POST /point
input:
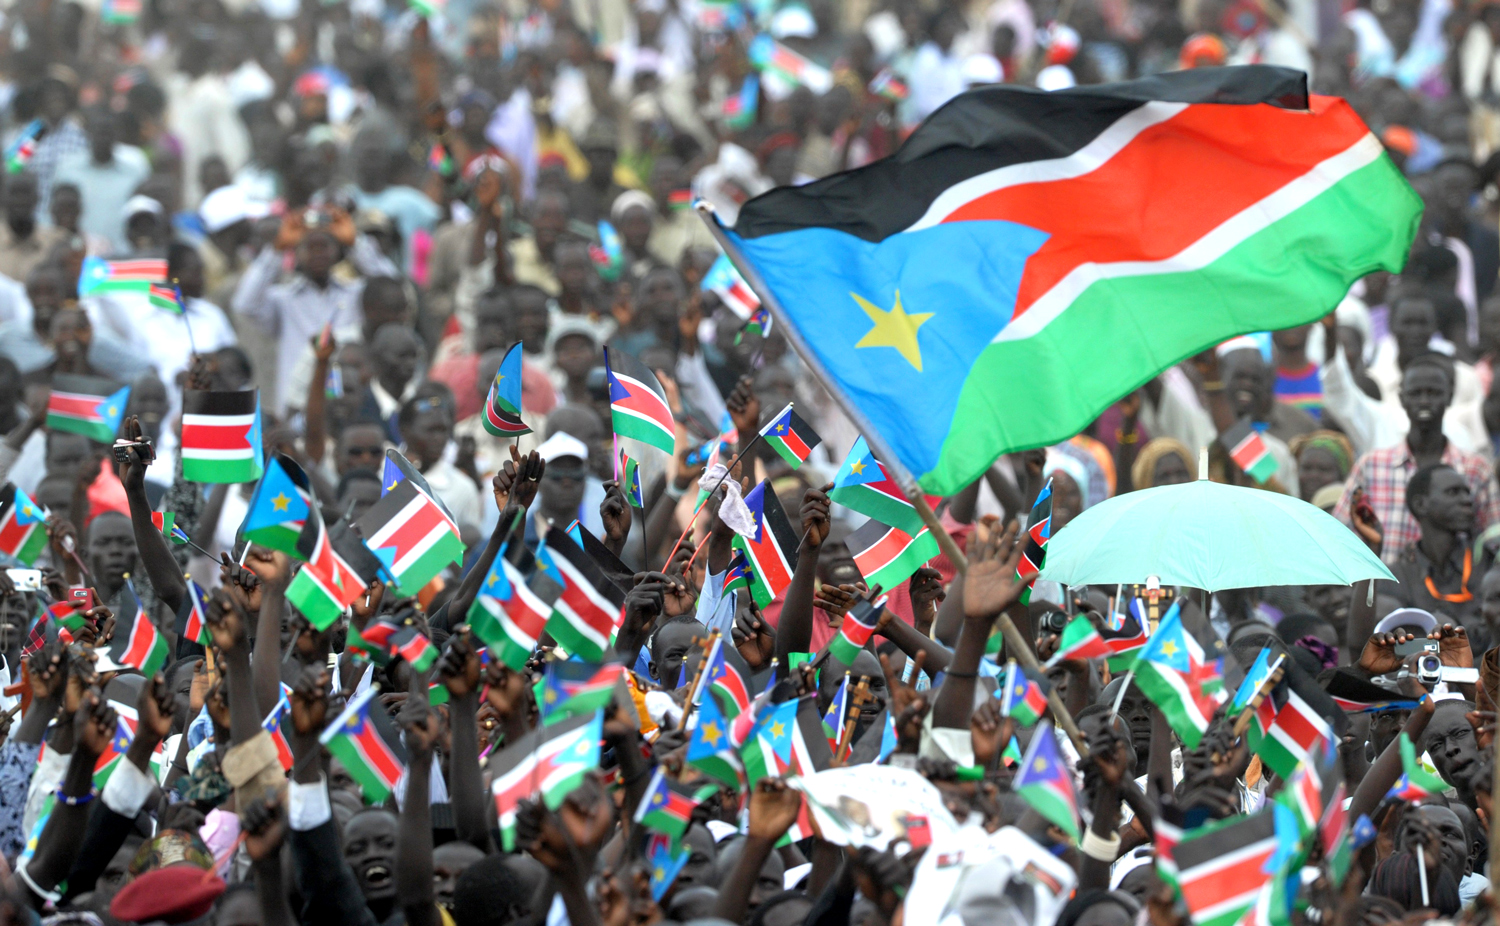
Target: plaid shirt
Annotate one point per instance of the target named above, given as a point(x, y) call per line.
point(1383, 475)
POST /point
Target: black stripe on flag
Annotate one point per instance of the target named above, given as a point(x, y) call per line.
point(1223, 839)
point(778, 526)
point(415, 478)
point(559, 543)
point(352, 549)
point(990, 128)
point(610, 564)
point(89, 385)
point(227, 404)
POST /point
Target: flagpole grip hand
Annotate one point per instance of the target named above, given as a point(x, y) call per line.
point(615, 512)
point(154, 710)
point(815, 517)
point(744, 407)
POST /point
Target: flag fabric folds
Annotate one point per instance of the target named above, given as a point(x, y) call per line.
point(1023, 696)
point(887, 556)
point(221, 436)
point(637, 402)
point(1172, 671)
point(88, 405)
point(1044, 781)
point(588, 607)
point(368, 744)
point(502, 406)
point(510, 612)
point(1081, 225)
point(23, 525)
point(863, 484)
point(279, 506)
point(772, 550)
point(412, 536)
point(551, 762)
point(137, 643)
point(791, 437)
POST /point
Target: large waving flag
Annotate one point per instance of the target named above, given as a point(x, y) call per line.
point(87, 405)
point(280, 506)
point(949, 289)
point(637, 402)
point(221, 436)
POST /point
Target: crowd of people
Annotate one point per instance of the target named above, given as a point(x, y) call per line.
point(363, 206)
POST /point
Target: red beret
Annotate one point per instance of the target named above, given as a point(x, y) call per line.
point(174, 894)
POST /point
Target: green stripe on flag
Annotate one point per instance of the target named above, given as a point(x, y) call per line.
point(1292, 272)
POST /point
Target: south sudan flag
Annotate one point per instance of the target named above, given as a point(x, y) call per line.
point(791, 437)
point(948, 290)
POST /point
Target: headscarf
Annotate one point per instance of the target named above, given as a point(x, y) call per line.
point(1072, 467)
point(1336, 444)
point(1143, 471)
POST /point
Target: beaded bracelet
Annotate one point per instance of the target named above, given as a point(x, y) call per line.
point(78, 801)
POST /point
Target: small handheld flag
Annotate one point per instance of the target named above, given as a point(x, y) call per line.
point(1044, 782)
point(791, 437)
point(365, 740)
point(23, 525)
point(502, 407)
point(87, 405)
point(221, 436)
point(630, 481)
point(637, 402)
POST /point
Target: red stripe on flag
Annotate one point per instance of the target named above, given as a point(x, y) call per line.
point(378, 753)
point(1303, 730)
point(415, 529)
point(1225, 883)
point(142, 639)
point(74, 406)
point(884, 550)
point(795, 444)
point(641, 399)
point(216, 437)
point(1175, 181)
point(13, 533)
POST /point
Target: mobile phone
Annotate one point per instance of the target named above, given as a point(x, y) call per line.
point(143, 447)
point(81, 596)
point(25, 580)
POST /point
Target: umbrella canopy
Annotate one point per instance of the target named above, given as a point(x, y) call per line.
point(1210, 536)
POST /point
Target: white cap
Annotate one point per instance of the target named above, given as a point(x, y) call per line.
point(138, 204)
point(1404, 617)
point(228, 205)
point(563, 444)
point(981, 69)
point(1055, 77)
point(793, 22)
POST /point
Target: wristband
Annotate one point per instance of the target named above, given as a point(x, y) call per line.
point(673, 492)
point(1122, 438)
point(1213, 385)
point(1097, 847)
point(78, 801)
point(951, 674)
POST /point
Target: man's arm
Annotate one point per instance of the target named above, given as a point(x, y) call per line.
point(414, 832)
point(794, 629)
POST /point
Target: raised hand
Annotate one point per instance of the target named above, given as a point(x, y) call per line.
point(678, 596)
point(815, 522)
point(520, 477)
point(837, 599)
point(243, 583)
point(1364, 521)
point(94, 723)
point(615, 512)
point(991, 586)
point(773, 809)
point(926, 591)
point(264, 823)
point(48, 671)
point(1379, 655)
point(459, 667)
point(901, 694)
point(366, 606)
point(309, 701)
point(423, 728)
point(744, 407)
point(154, 709)
point(754, 638)
point(134, 474)
point(508, 691)
point(988, 731)
point(227, 622)
point(1453, 646)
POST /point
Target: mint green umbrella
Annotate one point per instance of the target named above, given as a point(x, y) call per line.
point(1210, 536)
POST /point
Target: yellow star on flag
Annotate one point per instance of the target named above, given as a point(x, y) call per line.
point(712, 734)
point(1040, 765)
point(1169, 648)
point(280, 501)
point(894, 328)
point(778, 729)
point(857, 468)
